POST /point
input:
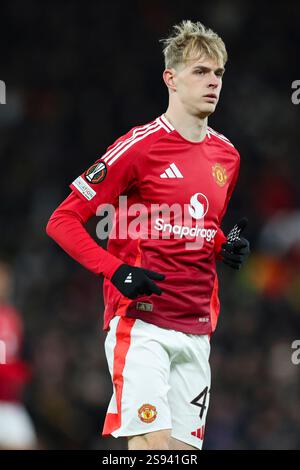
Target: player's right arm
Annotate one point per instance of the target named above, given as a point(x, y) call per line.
point(114, 174)
point(66, 227)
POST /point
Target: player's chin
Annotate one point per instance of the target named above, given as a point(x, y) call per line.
point(207, 109)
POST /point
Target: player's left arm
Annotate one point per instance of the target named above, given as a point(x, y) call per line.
point(235, 252)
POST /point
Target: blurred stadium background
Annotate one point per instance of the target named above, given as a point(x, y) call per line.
point(78, 75)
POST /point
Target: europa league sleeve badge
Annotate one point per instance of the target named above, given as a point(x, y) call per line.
point(96, 173)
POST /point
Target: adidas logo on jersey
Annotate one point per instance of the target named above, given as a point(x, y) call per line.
point(172, 172)
point(128, 278)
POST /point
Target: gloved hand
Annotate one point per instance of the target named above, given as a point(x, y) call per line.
point(236, 249)
point(132, 281)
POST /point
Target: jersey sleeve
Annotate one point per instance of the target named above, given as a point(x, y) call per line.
point(115, 173)
point(220, 237)
point(102, 183)
point(66, 227)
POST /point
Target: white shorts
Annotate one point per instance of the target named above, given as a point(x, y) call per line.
point(16, 428)
point(161, 380)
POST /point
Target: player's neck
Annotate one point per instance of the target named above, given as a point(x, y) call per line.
point(192, 128)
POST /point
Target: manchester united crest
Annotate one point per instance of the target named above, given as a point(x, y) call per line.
point(147, 413)
point(219, 174)
point(96, 173)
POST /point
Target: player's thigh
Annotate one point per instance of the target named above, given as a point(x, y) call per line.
point(190, 381)
point(139, 367)
point(158, 440)
point(175, 444)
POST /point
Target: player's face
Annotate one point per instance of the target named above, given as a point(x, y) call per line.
point(198, 85)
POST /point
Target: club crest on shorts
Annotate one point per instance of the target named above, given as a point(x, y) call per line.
point(96, 173)
point(219, 174)
point(147, 413)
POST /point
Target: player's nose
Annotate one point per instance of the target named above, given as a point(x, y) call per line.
point(213, 80)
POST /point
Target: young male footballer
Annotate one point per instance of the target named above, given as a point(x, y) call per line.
point(161, 286)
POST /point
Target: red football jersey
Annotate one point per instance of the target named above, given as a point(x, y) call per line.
point(158, 169)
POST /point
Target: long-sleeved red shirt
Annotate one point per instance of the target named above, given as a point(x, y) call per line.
point(154, 165)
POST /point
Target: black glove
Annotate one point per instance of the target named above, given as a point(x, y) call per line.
point(236, 250)
point(132, 281)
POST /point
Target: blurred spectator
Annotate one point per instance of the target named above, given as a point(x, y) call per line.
point(16, 428)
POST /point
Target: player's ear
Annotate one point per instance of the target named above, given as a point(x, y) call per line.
point(169, 79)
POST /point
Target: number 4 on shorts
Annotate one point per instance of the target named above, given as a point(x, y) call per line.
point(200, 401)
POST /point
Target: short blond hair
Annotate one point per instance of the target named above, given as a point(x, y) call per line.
point(190, 41)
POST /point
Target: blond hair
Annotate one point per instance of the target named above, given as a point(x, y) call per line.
point(190, 41)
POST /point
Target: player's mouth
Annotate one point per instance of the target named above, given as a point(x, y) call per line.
point(211, 97)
